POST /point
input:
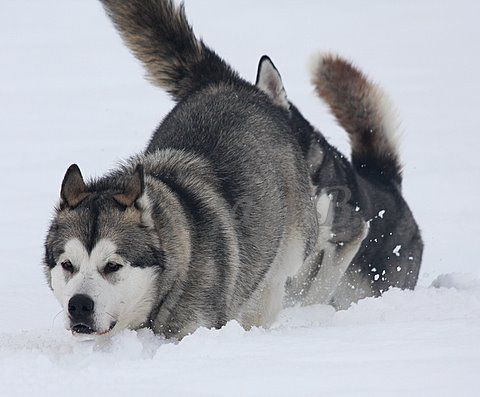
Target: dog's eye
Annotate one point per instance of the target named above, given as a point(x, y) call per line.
point(67, 266)
point(111, 268)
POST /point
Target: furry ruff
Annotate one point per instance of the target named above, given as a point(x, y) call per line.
point(159, 35)
point(365, 112)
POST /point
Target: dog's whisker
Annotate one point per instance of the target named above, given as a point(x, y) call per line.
point(55, 317)
point(111, 315)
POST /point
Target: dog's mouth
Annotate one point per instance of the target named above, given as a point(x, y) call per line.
point(84, 329)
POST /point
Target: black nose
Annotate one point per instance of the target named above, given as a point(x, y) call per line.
point(80, 307)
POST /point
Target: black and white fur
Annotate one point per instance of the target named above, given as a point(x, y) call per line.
point(356, 199)
point(204, 226)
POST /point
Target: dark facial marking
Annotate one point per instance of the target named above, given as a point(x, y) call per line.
point(49, 258)
point(94, 210)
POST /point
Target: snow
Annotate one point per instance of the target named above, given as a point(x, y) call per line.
point(397, 249)
point(71, 92)
point(407, 343)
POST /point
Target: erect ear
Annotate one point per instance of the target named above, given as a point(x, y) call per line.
point(270, 82)
point(73, 190)
point(133, 188)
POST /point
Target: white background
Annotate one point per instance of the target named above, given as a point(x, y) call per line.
point(71, 92)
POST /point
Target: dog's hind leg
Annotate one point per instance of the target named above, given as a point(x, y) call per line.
point(336, 258)
point(267, 300)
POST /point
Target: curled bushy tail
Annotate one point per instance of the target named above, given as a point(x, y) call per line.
point(364, 111)
point(158, 33)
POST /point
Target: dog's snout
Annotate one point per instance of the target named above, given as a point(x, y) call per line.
point(80, 307)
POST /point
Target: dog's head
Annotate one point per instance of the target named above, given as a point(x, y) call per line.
point(102, 254)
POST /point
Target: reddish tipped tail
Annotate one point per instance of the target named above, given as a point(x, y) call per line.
point(365, 112)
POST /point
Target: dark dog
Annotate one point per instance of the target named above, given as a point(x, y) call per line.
point(355, 199)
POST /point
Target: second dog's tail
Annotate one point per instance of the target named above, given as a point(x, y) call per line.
point(364, 111)
point(158, 33)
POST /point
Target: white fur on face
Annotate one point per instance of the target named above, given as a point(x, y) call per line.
point(125, 297)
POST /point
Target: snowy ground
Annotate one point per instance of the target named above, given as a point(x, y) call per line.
point(70, 92)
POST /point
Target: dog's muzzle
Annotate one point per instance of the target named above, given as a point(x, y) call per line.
point(80, 310)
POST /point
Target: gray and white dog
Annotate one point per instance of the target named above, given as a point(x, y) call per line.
point(218, 218)
point(356, 199)
point(204, 226)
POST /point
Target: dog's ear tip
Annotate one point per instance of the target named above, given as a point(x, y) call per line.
point(265, 58)
point(73, 169)
point(74, 166)
point(266, 65)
